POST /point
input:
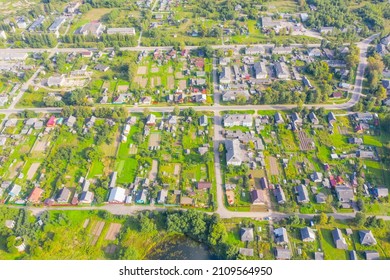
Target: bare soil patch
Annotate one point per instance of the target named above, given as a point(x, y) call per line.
point(182, 84)
point(142, 70)
point(170, 82)
point(154, 140)
point(32, 170)
point(273, 166)
point(113, 231)
point(97, 231)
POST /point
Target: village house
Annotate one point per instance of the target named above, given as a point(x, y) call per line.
point(71, 121)
point(203, 185)
point(281, 70)
point(225, 75)
point(279, 195)
point(302, 194)
point(162, 196)
point(86, 197)
point(117, 195)
point(94, 28)
point(307, 235)
point(232, 95)
point(339, 240)
point(281, 237)
point(367, 238)
point(371, 255)
point(381, 192)
point(151, 120)
point(64, 195)
point(255, 50)
point(56, 81)
point(260, 70)
point(257, 197)
point(313, 118)
point(142, 196)
point(282, 50)
point(35, 195)
point(121, 30)
point(282, 253)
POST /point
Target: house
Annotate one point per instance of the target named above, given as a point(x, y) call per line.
point(260, 70)
point(186, 201)
point(15, 191)
point(381, 192)
point(56, 81)
point(281, 237)
point(316, 177)
point(246, 234)
point(303, 196)
point(246, 252)
point(172, 120)
point(307, 234)
point(233, 152)
point(11, 123)
point(257, 197)
point(146, 100)
point(255, 50)
point(71, 121)
point(339, 240)
point(326, 30)
point(203, 120)
point(321, 198)
point(162, 196)
point(366, 117)
point(344, 193)
point(56, 25)
point(224, 61)
point(279, 195)
point(86, 197)
point(331, 118)
point(355, 140)
point(282, 253)
point(282, 50)
point(117, 194)
point(316, 52)
point(101, 67)
point(141, 197)
point(281, 70)
point(278, 118)
point(232, 95)
point(237, 120)
point(151, 120)
point(51, 122)
point(225, 75)
point(313, 118)
point(304, 17)
point(64, 195)
point(230, 197)
point(365, 154)
point(94, 28)
point(37, 24)
point(371, 255)
point(353, 255)
point(35, 195)
point(123, 31)
point(22, 23)
point(295, 118)
point(367, 238)
point(306, 82)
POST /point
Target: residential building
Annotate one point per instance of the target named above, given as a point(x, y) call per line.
point(225, 75)
point(233, 152)
point(255, 50)
point(101, 67)
point(381, 192)
point(279, 195)
point(13, 56)
point(86, 197)
point(94, 28)
point(282, 50)
point(313, 118)
point(37, 24)
point(302, 194)
point(281, 237)
point(203, 120)
point(15, 191)
point(162, 196)
point(246, 234)
point(282, 253)
point(203, 185)
point(317, 177)
point(371, 255)
point(257, 197)
point(56, 81)
point(307, 234)
point(339, 240)
point(71, 121)
point(64, 195)
point(367, 238)
point(56, 25)
point(142, 196)
point(117, 195)
point(281, 70)
point(35, 195)
point(232, 95)
point(238, 120)
point(278, 118)
point(260, 70)
point(151, 120)
point(344, 193)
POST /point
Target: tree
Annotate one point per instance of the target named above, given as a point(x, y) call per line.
point(146, 224)
point(323, 219)
point(331, 220)
point(221, 148)
point(381, 93)
point(146, 112)
point(217, 233)
point(176, 110)
point(360, 219)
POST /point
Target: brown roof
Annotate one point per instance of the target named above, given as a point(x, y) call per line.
point(257, 197)
point(35, 195)
point(203, 185)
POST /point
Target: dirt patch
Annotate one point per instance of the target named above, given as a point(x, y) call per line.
point(32, 170)
point(273, 166)
point(343, 130)
point(157, 81)
point(305, 143)
point(40, 146)
point(133, 150)
point(170, 69)
point(113, 231)
point(86, 223)
point(122, 88)
point(182, 84)
point(170, 82)
point(153, 171)
point(179, 75)
point(142, 70)
point(141, 81)
point(14, 169)
point(154, 140)
point(97, 231)
point(154, 70)
point(166, 157)
point(177, 170)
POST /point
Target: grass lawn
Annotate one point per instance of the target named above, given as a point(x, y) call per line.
point(126, 170)
point(331, 253)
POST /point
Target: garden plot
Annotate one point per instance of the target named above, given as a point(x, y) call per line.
point(142, 70)
point(41, 145)
point(122, 88)
point(179, 75)
point(113, 231)
point(182, 84)
point(157, 81)
point(170, 82)
point(154, 70)
point(97, 231)
point(14, 169)
point(154, 140)
point(153, 171)
point(176, 172)
point(273, 166)
point(305, 143)
point(32, 170)
point(133, 149)
point(141, 81)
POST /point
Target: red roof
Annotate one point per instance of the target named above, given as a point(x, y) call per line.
point(203, 185)
point(51, 122)
point(35, 195)
point(333, 182)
